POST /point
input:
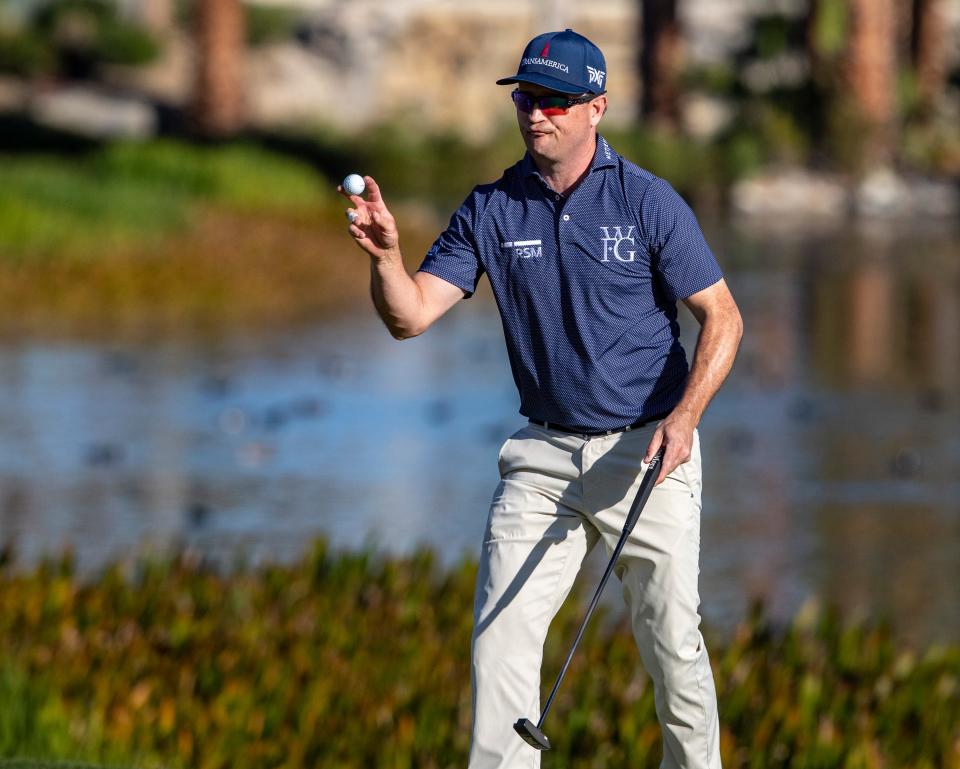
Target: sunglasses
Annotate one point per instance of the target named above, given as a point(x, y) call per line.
point(551, 104)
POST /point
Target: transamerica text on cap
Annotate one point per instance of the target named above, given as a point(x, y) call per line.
point(545, 63)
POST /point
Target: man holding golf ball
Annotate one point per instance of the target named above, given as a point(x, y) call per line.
point(587, 255)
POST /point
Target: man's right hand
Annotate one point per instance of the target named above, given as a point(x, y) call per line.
point(407, 305)
point(374, 228)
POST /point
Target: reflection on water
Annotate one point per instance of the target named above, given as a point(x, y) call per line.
point(832, 455)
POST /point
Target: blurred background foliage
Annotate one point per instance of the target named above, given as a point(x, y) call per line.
point(359, 660)
point(124, 193)
point(74, 39)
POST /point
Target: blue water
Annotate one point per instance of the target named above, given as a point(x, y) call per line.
point(831, 455)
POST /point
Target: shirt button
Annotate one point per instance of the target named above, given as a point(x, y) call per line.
point(556, 197)
point(566, 217)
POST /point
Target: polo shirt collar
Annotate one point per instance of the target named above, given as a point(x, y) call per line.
point(603, 157)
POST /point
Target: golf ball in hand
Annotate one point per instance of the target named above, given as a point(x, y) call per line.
point(354, 184)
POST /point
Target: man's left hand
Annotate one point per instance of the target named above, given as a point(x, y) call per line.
point(676, 434)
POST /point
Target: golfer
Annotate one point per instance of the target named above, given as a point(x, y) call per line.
point(587, 255)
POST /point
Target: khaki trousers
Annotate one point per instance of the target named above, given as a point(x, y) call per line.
point(558, 495)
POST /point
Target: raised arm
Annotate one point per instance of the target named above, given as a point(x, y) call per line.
point(407, 305)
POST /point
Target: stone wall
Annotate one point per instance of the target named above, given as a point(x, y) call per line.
point(434, 61)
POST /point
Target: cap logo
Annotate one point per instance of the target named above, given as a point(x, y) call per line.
point(546, 51)
point(596, 76)
point(545, 63)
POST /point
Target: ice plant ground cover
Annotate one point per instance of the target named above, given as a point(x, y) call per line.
point(354, 659)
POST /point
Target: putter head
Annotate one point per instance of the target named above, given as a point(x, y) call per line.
point(531, 734)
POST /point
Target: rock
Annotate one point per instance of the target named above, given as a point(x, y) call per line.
point(705, 116)
point(796, 194)
point(885, 193)
point(791, 193)
point(88, 111)
point(286, 83)
point(103, 454)
point(881, 193)
point(788, 70)
point(931, 197)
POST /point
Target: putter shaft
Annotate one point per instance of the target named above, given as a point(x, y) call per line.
point(533, 735)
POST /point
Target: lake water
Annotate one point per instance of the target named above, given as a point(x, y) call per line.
point(831, 455)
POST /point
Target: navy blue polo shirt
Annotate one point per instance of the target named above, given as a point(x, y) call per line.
point(586, 285)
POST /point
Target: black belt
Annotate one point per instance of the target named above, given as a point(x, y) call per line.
point(576, 431)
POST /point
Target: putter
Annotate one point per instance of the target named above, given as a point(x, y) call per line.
point(532, 733)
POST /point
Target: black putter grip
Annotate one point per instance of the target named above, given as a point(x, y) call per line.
point(646, 486)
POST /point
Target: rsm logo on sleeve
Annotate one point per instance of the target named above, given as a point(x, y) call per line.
point(524, 249)
point(613, 238)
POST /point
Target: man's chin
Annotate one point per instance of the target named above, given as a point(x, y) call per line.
point(540, 146)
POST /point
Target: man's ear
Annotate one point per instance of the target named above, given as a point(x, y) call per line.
point(598, 107)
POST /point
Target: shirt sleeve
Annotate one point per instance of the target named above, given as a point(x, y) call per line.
point(454, 256)
point(679, 253)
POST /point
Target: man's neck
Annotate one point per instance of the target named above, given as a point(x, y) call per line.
point(563, 175)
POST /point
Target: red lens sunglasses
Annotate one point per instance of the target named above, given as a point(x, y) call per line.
point(551, 104)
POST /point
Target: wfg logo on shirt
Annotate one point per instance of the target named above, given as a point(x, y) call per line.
point(613, 238)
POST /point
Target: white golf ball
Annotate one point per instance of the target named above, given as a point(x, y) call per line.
point(354, 184)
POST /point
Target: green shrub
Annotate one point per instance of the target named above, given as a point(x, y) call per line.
point(772, 34)
point(270, 24)
point(25, 54)
point(237, 174)
point(742, 155)
point(783, 138)
point(78, 36)
point(829, 34)
point(932, 146)
point(359, 660)
point(43, 763)
point(47, 207)
point(126, 44)
point(131, 191)
point(717, 79)
point(72, 20)
point(848, 135)
point(32, 720)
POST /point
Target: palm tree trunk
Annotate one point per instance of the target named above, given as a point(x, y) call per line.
point(871, 72)
point(928, 50)
point(218, 108)
point(660, 61)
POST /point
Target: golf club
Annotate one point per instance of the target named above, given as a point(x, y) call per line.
point(532, 733)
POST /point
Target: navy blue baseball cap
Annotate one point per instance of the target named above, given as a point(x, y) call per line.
point(562, 61)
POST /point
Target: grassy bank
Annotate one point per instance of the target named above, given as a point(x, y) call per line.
point(54, 207)
point(353, 660)
point(39, 763)
point(166, 236)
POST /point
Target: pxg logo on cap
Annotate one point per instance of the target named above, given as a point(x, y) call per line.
point(561, 61)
